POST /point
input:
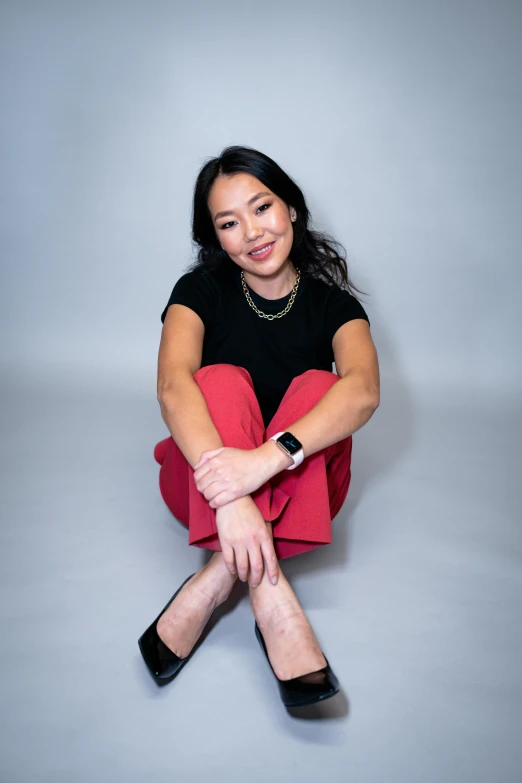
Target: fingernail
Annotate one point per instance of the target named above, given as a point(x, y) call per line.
point(274, 580)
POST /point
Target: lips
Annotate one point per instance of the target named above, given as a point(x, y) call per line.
point(266, 245)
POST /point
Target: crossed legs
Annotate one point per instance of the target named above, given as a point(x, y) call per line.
point(292, 646)
point(291, 643)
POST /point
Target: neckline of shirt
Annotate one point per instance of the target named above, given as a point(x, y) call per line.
point(267, 304)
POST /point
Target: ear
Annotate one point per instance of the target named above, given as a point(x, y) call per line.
point(293, 214)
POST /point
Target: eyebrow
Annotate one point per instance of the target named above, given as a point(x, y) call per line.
point(250, 201)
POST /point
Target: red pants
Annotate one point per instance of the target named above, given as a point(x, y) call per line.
point(300, 503)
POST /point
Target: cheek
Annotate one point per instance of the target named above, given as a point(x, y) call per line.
point(232, 243)
point(277, 222)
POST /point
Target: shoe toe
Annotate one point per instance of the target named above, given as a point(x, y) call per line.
point(306, 689)
point(309, 688)
point(162, 663)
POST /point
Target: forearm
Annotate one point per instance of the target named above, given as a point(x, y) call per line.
point(345, 408)
point(185, 412)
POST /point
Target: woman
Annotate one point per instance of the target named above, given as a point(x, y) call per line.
point(258, 464)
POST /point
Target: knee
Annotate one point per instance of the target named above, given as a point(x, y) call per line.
point(326, 376)
point(307, 389)
point(229, 375)
point(315, 379)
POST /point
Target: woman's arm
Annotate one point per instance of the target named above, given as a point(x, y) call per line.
point(185, 412)
point(183, 406)
point(242, 531)
point(346, 406)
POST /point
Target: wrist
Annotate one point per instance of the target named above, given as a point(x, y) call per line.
point(274, 457)
point(243, 500)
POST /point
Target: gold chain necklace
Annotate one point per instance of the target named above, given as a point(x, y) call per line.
point(271, 316)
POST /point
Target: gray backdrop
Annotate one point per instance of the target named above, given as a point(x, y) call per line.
point(401, 122)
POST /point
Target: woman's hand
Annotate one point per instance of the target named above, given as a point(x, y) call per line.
point(225, 474)
point(245, 538)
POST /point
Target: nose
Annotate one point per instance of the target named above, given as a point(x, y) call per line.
point(252, 229)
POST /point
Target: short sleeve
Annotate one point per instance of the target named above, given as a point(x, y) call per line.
point(341, 307)
point(196, 291)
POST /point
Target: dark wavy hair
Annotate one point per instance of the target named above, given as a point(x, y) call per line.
point(315, 252)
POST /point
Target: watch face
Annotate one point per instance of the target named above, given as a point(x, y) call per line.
point(290, 443)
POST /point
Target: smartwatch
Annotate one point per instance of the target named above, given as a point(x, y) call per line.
point(291, 446)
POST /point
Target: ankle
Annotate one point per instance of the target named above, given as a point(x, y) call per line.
point(266, 597)
point(226, 580)
point(280, 612)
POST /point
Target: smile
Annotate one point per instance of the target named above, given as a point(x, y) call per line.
point(264, 252)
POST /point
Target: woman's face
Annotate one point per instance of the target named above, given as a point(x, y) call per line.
point(251, 216)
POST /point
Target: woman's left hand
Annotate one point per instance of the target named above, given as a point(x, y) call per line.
point(227, 473)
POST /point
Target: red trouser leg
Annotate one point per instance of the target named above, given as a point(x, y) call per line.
point(301, 503)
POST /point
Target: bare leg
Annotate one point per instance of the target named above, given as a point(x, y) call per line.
point(292, 646)
point(181, 625)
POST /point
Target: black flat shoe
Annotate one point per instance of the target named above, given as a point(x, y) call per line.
point(300, 691)
point(163, 664)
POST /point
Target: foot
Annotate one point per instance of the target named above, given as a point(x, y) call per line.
point(182, 623)
point(292, 646)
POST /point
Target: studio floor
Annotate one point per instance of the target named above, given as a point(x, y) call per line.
point(416, 604)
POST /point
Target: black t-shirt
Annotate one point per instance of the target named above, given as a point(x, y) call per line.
point(273, 351)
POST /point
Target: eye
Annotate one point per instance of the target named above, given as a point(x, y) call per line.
point(225, 225)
